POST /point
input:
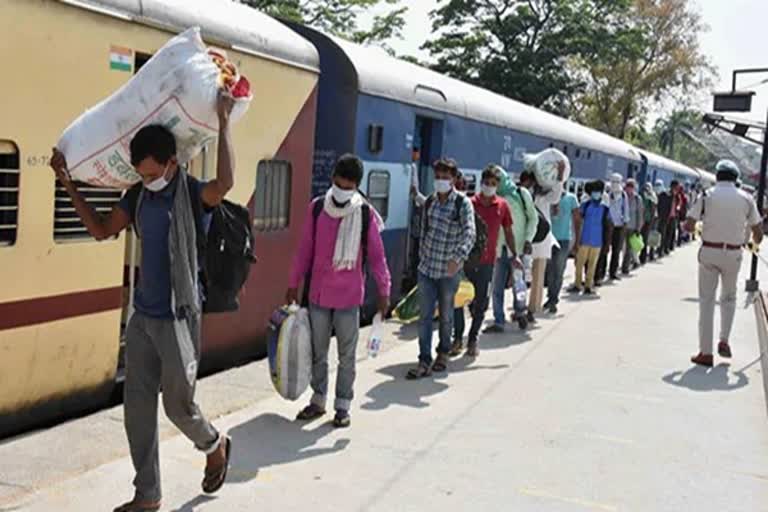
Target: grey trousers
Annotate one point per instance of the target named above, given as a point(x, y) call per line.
point(161, 352)
point(346, 323)
point(724, 265)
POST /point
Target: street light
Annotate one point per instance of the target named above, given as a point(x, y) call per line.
point(741, 101)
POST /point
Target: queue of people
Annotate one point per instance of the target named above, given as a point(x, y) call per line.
point(527, 227)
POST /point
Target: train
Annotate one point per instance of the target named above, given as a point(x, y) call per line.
point(65, 299)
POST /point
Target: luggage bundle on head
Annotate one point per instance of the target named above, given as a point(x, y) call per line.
point(289, 350)
point(176, 88)
point(546, 167)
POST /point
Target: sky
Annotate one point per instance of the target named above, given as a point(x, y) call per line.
point(733, 41)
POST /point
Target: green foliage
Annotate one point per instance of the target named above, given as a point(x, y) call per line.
point(524, 49)
point(338, 17)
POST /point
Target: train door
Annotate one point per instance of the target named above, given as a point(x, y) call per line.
point(642, 175)
point(427, 147)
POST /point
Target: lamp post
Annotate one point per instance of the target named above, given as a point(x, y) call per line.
point(741, 101)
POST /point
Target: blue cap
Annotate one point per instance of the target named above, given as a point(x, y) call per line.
point(728, 167)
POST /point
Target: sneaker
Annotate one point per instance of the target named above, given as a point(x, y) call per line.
point(456, 348)
point(724, 349)
point(552, 309)
point(706, 360)
point(494, 329)
point(472, 350)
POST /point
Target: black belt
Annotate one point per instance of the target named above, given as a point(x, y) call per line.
point(721, 245)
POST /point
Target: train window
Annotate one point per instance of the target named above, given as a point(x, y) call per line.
point(67, 226)
point(375, 138)
point(378, 192)
point(9, 192)
point(272, 203)
point(578, 153)
point(471, 182)
point(139, 59)
point(565, 150)
point(589, 155)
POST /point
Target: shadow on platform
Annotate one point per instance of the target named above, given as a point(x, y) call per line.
point(272, 440)
point(192, 504)
point(412, 393)
point(699, 378)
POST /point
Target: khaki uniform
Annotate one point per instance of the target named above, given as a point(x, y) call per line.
point(726, 212)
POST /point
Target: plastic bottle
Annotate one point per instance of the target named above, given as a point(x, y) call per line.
point(528, 267)
point(519, 287)
point(374, 342)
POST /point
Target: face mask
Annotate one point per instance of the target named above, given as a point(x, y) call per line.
point(160, 183)
point(616, 186)
point(597, 196)
point(488, 191)
point(443, 186)
point(342, 196)
point(658, 189)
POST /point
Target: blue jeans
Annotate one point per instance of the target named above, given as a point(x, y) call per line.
point(501, 273)
point(555, 270)
point(440, 292)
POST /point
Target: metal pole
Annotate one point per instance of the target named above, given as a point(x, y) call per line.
point(753, 285)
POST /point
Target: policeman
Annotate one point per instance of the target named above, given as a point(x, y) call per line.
point(726, 213)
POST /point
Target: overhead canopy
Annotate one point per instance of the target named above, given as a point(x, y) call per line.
point(223, 22)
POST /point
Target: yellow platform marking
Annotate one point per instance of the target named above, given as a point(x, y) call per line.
point(575, 501)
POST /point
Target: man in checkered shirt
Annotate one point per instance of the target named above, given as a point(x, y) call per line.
point(447, 237)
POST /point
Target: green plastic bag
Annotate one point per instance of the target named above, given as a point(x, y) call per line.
point(408, 310)
point(636, 243)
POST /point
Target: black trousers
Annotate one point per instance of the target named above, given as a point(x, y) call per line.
point(614, 247)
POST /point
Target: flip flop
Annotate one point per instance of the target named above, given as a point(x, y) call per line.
point(214, 480)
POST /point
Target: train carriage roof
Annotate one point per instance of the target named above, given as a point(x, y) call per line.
point(380, 74)
point(665, 163)
point(243, 28)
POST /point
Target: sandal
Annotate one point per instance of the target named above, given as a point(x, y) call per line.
point(310, 412)
point(139, 506)
point(472, 350)
point(419, 372)
point(456, 349)
point(342, 419)
point(440, 364)
point(214, 479)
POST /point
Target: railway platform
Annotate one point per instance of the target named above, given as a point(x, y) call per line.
point(595, 409)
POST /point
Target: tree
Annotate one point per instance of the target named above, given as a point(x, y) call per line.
point(659, 59)
point(523, 49)
point(339, 17)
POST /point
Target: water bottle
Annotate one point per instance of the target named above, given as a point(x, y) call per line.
point(528, 267)
point(374, 342)
point(520, 289)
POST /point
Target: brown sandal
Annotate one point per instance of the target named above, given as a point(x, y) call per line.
point(139, 506)
point(214, 479)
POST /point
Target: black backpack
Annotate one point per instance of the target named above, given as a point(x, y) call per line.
point(225, 253)
point(542, 227)
point(481, 230)
point(228, 254)
point(317, 209)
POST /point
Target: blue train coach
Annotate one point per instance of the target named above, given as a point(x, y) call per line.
point(400, 117)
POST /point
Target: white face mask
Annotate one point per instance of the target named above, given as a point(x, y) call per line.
point(616, 186)
point(488, 191)
point(342, 196)
point(160, 183)
point(443, 186)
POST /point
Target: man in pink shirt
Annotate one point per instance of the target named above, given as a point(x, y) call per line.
point(342, 234)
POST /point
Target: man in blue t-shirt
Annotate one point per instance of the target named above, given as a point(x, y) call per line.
point(564, 220)
point(595, 228)
point(163, 334)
